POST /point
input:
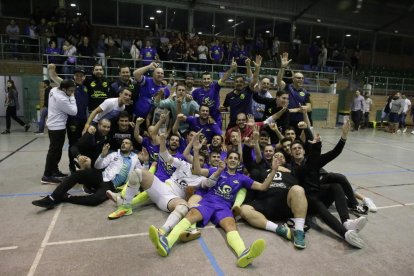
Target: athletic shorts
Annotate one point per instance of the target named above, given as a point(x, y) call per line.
point(394, 117)
point(211, 211)
point(273, 207)
point(161, 194)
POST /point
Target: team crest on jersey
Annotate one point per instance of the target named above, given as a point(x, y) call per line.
point(224, 191)
point(302, 94)
point(93, 84)
point(209, 102)
point(104, 84)
point(242, 96)
point(85, 89)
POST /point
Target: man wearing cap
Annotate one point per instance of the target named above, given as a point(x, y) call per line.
point(75, 124)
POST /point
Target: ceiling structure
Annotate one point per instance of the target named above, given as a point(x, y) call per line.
point(393, 17)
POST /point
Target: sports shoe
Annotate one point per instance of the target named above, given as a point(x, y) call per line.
point(352, 237)
point(371, 206)
point(399, 131)
point(249, 254)
point(50, 180)
point(412, 132)
point(123, 210)
point(38, 132)
point(59, 174)
point(26, 127)
point(115, 197)
point(8, 132)
point(360, 210)
point(299, 239)
point(190, 234)
point(284, 231)
point(355, 224)
point(159, 241)
point(404, 130)
point(47, 202)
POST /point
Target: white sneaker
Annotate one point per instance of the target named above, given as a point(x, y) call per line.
point(412, 132)
point(399, 131)
point(355, 224)
point(352, 237)
point(371, 206)
point(404, 130)
point(115, 197)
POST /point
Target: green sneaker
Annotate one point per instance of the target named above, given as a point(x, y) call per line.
point(299, 239)
point(284, 231)
point(248, 255)
point(123, 210)
point(159, 241)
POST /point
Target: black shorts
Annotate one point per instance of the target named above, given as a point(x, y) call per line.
point(274, 206)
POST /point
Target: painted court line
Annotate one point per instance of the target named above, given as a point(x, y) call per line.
point(13, 152)
point(8, 248)
point(44, 242)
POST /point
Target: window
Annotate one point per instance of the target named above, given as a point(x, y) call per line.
point(129, 14)
point(203, 22)
point(263, 25)
point(225, 24)
point(177, 19)
point(282, 31)
point(83, 7)
point(304, 32)
point(244, 23)
point(9, 8)
point(104, 12)
point(154, 15)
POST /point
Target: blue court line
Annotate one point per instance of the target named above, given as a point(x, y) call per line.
point(210, 257)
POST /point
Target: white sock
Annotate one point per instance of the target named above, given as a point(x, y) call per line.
point(299, 223)
point(172, 220)
point(130, 193)
point(271, 226)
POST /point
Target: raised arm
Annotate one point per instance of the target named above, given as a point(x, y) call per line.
point(197, 144)
point(138, 136)
point(249, 73)
point(138, 73)
point(53, 75)
point(90, 118)
point(257, 65)
point(164, 154)
point(187, 151)
point(284, 62)
point(229, 72)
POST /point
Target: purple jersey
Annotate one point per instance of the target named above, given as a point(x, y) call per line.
point(210, 98)
point(147, 90)
point(227, 186)
point(216, 52)
point(165, 170)
point(152, 149)
point(148, 55)
point(239, 103)
point(209, 130)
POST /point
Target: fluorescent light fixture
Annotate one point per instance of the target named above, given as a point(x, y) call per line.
point(318, 36)
point(152, 18)
point(230, 20)
point(395, 31)
point(146, 26)
point(318, 20)
point(72, 4)
point(213, 26)
point(78, 13)
point(348, 35)
point(268, 32)
point(200, 32)
point(159, 11)
point(222, 7)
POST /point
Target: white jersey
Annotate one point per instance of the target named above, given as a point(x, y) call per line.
point(183, 178)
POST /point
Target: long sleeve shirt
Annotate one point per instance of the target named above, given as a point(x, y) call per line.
point(60, 106)
point(358, 103)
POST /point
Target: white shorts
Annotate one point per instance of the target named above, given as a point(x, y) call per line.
point(161, 194)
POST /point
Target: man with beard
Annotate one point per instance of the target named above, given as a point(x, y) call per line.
point(201, 123)
point(209, 93)
point(123, 130)
point(98, 87)
point(111, 170)
point(124, 81)
point(240, 99)
point(259, 108)
point(189, 82)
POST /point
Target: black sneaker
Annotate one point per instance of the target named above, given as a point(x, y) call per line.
point(50, 180)
point(6, 132)
point(360, 210)
point(59, 174)
point(26, 127)
point(46, 202)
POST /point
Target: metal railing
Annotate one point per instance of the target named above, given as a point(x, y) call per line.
point(20, 47)
point(382, 85)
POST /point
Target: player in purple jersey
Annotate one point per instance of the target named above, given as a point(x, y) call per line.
point(148, 88)
point(215, 206)
point(209, 93)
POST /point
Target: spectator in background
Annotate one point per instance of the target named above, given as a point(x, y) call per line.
point(216, 53)
point(275, 50)
point(54, 52)
point(100, 49)
point(113, 55)
point(31, 32)
point(202, 51)
point(356, 55)
point(85, 49)
point(60, 30)
point(12, 105)
point(407, 107)
point(357, 109)
point(135, 50)
point(296, 47)
point(13, 32)
point(69, 51)
point(148, 54)
point(44, 33)
point(43, 110)
point(367, 110)
point(313, 52)
point(323, 56)
point(386, 110)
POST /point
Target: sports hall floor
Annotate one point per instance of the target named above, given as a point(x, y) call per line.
point(78, 240)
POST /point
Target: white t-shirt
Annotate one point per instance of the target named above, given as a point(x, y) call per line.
point(368, 104)
point(110, 109)
point(202, 52)
point(183, 177)
point(407, 104)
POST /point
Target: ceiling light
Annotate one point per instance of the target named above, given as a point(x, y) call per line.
point(159, 11)
point(200, 32)
point(230, 20)
point(318, 20)
point(78, 13)
point(318, 36)
point(222, 7)
point(396, 31)
point(213, 26)
point(268, 32)
point(72, 4)
point(146, 26)
point(152, 18)
point(348, 35)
